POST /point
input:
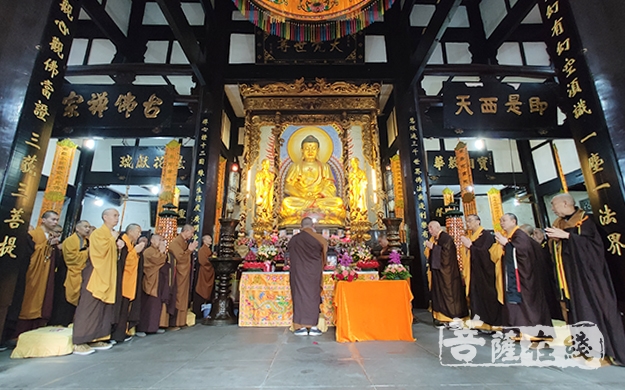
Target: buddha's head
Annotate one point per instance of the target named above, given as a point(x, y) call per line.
point(310, 148)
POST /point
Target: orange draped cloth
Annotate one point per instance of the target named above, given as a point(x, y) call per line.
point(103, 256)
point(373, 310)
point(129, 278)
point(75, 254)
point(36, 276)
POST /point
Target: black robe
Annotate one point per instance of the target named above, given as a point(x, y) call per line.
point(448, 294)
point(525, 302)
point(592, 296)
point(483, 288)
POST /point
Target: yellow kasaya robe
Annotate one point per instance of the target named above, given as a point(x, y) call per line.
point(103, 256)
point(129, 278)
point(36, 276)
point(75, 254)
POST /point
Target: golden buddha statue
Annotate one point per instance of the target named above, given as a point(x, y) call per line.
point(357, 190)
point(264, 192)
point(310, 190)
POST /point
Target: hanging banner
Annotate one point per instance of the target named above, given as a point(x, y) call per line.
point(499, 106)
point(147, 161)
point(496, 208)
point(398, 186)
point(466, 179)
point(54, 195)
point(418, 176)
point(169, 176)
point(219, 202)
point(271, 49)
point(115, 106)
point(195, 215)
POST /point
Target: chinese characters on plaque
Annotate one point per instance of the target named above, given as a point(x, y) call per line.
point(147, 160)
point(419, 179)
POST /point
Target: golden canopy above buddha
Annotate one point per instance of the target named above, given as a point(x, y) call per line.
point(310, 189)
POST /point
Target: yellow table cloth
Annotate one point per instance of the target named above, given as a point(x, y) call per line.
point(265, 298)
point(373, 310)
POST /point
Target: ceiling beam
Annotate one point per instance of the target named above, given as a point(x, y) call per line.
point(513, 19)
point(183, 32)
point(103, 20)
point(445, 11)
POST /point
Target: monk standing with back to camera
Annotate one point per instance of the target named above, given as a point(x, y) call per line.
point(181, 250)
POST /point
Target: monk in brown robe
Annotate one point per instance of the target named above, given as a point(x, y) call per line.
point(127, 281)
point(525, 302)
point(482, 282)
point(181, 251)
point(307, 253)
point(449, 303)
point(38, 299)
point(155, 285)
point(94, 314)
point(205, 278)
point(584, 281)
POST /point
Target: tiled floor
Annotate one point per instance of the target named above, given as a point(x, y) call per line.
point(273, 358)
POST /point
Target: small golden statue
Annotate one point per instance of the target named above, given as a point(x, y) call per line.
point(310, 190)
point(357, 191)
point(264, 192)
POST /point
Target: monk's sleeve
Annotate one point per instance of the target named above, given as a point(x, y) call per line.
point(203, 256)
point(587, 245)
point(448, 251)
point(176, 249)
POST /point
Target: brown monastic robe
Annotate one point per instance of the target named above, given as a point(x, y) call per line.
point(206, 274)
point(155, 289)
point(75, 253)
point(448, 293)
point(94, 314)
point(307, 253)
point(179, 249)
point(127, 276)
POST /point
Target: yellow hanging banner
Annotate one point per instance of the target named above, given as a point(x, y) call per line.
point(496, 208)
point(169, 176)
point(398, 186)
point(54, 196)
point(465, 176)
point(219, 204)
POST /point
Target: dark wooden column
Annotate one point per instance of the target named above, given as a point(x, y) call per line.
point(527, 161)
point(35, 44)
point(586, 45)
point(85, 161)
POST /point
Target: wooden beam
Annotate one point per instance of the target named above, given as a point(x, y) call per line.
point(513, 19)
point(109, 28)
point(184, 35)
point(445, 11)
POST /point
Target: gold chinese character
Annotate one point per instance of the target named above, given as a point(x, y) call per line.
point(126, 103)
point(615, 243)
point(602, 186)
point(98, 103)
point(67, 9)
point(182, 213)
point(452, 163)
point(563, 46)
point(196, 208)
point(16, 218)
point(418, 180)
point(198, 198)
point(125, 161)
point(558, 28)
point(47, 89)
point(464, 104)
point(317, 47)
point(62, 27)
point(21, 191)
point(595, 163)
point(158, 162)
point(57, 47)
point(204, 137)
point(283, 45)
point(417, 171)
point(580, 109)
point(419, 188)
point(300, 47)
point(589, 136)
point(200, 172)
point(420, 197)
point(439, 162)
point(199, 181)
point(536, 105)
point(181, 163)
point(424, 234)
point(335, 46)
point(28, 165)
point(482, 161)
point(71, 103)
point(7, 247)
point(552, 9)
point(198, 190)
point(568, 67)
point(413, 136)
point(514, 104)
point(142, 161)
point(424, 225)
point(421, 206)
point(606, 216)
point(51, 66)
point(416, 161)
point(41, 110)
point(423, 215)
point(573, 88)
point(200, 161)
point(489, 105)
point(34, 141)
point(151, 109)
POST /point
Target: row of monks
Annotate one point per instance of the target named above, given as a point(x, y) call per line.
point(110, 285)
point(511, 280)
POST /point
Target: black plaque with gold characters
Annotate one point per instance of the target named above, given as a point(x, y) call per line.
point(419, 180)
point(147, 161)
point(443, 164)
point(271, 49)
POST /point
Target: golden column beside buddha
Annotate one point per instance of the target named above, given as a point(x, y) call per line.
point(310, 190)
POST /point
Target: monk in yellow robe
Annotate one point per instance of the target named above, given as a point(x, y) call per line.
point(37, 304)
point(75, 253)
point(309, 188)
point(94, 315)
point(181, 250)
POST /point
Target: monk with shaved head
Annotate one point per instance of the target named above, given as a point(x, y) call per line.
point(181, 250)
point(156, 287)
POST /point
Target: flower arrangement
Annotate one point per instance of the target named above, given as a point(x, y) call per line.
point(251, 256)
point(245, 241)
point(395, 270)
point(367, 264)
point(360, 252)
point(266, 252)
point(345, 270)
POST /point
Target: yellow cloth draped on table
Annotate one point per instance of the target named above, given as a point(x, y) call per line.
point(378, 310)
point(265, 298)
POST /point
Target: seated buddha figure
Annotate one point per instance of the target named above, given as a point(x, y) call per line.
point(309, 190)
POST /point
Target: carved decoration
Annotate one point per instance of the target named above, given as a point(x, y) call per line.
point(318, 88)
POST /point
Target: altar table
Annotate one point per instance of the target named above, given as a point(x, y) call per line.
point(265, 298)
point(373, 310)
